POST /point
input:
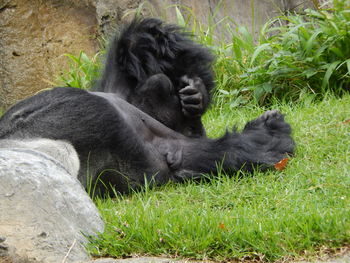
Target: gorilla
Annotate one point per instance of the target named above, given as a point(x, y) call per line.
point(143, 121)
point(160, 70)
point(121, 146)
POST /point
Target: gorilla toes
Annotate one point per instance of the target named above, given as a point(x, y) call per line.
point(271, 120)
point(281, 142)
point(272, 114)
point(274, 120)
point(192, 97)
point(271, 132)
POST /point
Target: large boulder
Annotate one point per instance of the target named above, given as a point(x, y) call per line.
point(44, 211)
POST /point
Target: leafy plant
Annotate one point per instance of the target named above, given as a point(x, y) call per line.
point(306, 52)
point(294, 55)
point(83, 71)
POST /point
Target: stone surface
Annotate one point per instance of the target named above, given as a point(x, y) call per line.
point(249, 13)
point(34, 36)
point(44, 210)
point(61, 152)
point(110, 13)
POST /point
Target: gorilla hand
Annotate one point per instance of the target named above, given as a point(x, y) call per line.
point(194, 97)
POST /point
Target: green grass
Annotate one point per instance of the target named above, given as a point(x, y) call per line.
point(267, 216)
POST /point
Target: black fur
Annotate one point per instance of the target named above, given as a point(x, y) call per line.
point(159, 69)
point(121, 145)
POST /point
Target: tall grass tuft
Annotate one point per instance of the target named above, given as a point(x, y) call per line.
point(82, 72)
point(309, 52)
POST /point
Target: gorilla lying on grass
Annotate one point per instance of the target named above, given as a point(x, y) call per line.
point(143, 122)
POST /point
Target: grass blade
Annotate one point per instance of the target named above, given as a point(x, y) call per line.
point(258, 50)
point(311, 42)
point(179, 17)
point(329, 72)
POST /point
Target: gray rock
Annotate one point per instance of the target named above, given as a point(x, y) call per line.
point(61, 152)
point(43, 209)
point(111, 13)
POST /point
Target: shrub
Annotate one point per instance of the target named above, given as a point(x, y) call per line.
point(306, 52)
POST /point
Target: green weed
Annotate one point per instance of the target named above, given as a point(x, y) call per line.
point(82, 72)
point(308, 52)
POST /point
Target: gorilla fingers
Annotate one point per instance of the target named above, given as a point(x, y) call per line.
point(194, 97)
point(179, 110)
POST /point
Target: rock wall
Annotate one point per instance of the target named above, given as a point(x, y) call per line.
point(35, 34)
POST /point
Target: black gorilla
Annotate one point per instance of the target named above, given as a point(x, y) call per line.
point(130, 130)
point(121, 145)
point(160, 70)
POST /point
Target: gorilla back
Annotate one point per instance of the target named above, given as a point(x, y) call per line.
point(121, 146)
